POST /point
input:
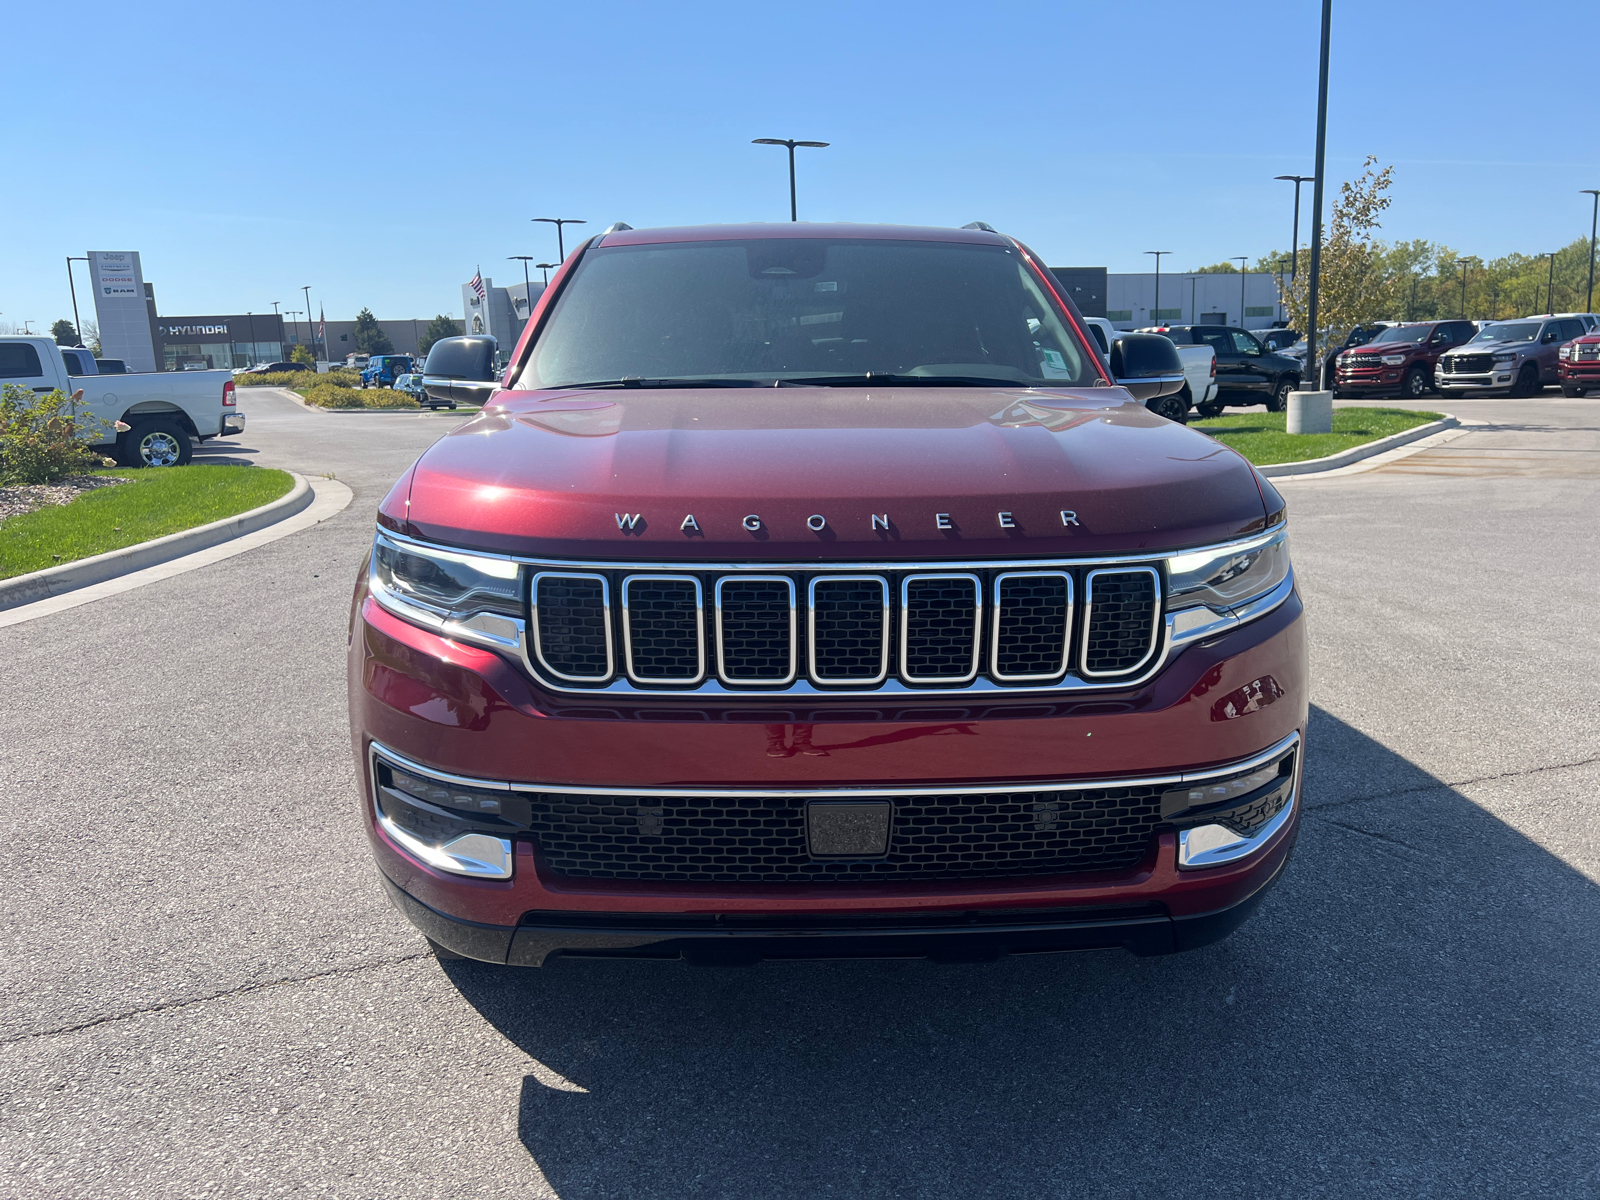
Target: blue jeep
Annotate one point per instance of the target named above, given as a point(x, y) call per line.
point(383, 369)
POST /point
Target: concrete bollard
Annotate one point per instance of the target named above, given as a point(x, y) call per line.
point(1310, 412)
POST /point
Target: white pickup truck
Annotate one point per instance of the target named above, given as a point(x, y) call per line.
point(1199, 370)
point(146, 419)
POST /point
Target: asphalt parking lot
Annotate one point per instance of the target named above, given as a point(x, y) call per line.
point(205, 993)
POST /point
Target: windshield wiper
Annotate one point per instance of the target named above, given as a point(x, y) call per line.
point(640, 381)
point(876, 379)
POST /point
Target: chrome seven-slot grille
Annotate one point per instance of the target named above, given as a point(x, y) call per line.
point(924, 627)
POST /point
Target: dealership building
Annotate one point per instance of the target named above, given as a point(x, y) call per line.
point(194, 343)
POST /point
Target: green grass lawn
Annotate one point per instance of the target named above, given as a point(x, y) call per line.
point(154, 503)
point(1260, 436)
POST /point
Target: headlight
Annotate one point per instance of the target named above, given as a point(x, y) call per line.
point(1509, 356)
point(470, 597)
point(1564, 352)
point(1393, 360)
point(1217, 588)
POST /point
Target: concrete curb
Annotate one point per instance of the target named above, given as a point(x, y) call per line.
point(1356, 453)
point(54, 581)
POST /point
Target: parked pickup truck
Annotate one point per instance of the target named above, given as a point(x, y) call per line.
point(1515, 357)
point(166, 412)
point(1579, 366)
point(1247, 372)
point(1199, 372)
point(815, 590)
point(1400, 360)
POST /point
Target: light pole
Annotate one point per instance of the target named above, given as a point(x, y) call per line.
point(1294, 242)
point(295, 313)
point(1243, 258)
point(1463, 263)
point(794, 214)
point(1155, 313)
point(72, 287)
point(1594, 220)
point(547, 268)
point(250, 358)
point(1550, 292)
point(309, 333)
point(558, 222)
point(1312, 362)
point(279, 317)
point(527, 287)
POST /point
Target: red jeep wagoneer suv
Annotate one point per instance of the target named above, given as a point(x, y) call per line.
point(818, 590)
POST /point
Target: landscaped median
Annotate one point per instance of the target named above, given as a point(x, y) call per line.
point(336, 389)
point(139, 507)
point(1263, 439)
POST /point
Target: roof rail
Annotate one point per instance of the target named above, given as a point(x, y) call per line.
point(615, 227)
point(983, 225)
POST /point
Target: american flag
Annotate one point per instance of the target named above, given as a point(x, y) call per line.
point(477, 284)
point(322, 328)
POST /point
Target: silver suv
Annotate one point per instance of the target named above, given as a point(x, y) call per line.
point(1517, 357)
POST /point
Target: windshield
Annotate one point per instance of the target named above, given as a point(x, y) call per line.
point(1403, 333)
point(1510, 331)
point(802, 309)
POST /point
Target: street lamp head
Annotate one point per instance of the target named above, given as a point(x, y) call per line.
point(1589, 192)
point(520, 258)
point(547, 266)
point(816, 145)
point(1297, 178)
point(561, 220)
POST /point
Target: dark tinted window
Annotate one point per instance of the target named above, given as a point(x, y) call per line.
point(790, 309)
point(1570, 329)
point(1099, 336)
point(74, 364)
point(19, 360)
point(1214, 336)
point(111, 366)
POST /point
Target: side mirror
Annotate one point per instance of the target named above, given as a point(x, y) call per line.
point(1147, 364)
point(461, 369)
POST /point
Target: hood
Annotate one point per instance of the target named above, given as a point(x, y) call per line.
point(818, 473)
point(1492, 347)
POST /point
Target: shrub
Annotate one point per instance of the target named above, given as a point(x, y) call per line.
point(332, 395)
point(302, 354)
point(42, 436)
point(299, 379)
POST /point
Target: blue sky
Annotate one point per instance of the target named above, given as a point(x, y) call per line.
point(1091, 131)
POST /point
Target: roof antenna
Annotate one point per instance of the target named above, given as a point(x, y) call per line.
point(983, 225)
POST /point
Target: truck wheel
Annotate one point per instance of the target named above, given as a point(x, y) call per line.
point(1415, 384)
point(156, 443)
point(1173, 408)
point(1527, 383)
point(1279, 400)
point(1212, 408)
point(1572, 391)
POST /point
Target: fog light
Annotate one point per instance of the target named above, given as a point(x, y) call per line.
point(462, 830)
point(1230, 817)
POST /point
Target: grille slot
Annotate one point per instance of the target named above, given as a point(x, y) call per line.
point(1032, 625)
point(939, 622)
point(849, 629)
point(572, 625)
point(756, 629)
point(1120, 621)
point(662, 629)
point(754, 839)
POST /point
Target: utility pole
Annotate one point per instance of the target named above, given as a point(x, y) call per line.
point(1243, 259)
point(1594, 220)
point(794, 212)
point(250, 358)
point(1155, 313)
point(77, 324)
point(558, 222)
point(527, 287)
point(309, 333)
point(1464, 263)
point(1550, 292)
point(1312, 361)
point(1294, 252)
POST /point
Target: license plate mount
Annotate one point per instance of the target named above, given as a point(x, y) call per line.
point(838, 829)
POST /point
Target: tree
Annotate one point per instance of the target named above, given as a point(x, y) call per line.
point(64, 333)
point(1358, 284)
point(91, 338)
point(440, 327)
point(302, 354)
point(1221, 268)
point(369, 335)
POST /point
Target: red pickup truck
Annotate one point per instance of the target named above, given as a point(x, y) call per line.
point(820, 591)
point(1400, 360)
point(1578, 366)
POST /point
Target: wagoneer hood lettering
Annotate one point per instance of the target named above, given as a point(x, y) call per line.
point(798, 473)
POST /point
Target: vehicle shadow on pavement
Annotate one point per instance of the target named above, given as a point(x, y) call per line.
point(1410, 1012)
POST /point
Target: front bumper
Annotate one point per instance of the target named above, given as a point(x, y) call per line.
point(1480, 382)
point(1584, 374)
point(1385, 380)
point(458, 710)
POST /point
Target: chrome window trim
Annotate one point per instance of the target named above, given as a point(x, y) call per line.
point(977, 625)
point(794, 631)
point(994, 626)
point(699, 630)
point(811, 635)
point(377, 750)
point(533, 623)
point(1086, 622)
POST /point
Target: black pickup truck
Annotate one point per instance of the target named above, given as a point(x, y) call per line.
point(1247, 372)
